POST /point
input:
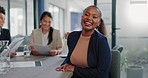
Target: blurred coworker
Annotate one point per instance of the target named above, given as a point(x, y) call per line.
point(46, 35)
point(89, 53)
point(4, 33)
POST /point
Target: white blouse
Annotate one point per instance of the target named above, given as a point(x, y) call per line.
point(45, 39)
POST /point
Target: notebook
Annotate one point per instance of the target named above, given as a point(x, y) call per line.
point(26, 64)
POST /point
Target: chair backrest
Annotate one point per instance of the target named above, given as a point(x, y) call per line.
point(118, 47)
point(114, 71)
point(26, 39)
point(25, 42)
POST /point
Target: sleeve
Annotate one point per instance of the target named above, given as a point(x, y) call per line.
point(9, 36)
point(31, 38)
point(58, 40)
point(103, 63)
point(67, 60)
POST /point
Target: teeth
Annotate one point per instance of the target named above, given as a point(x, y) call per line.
point(87, 23)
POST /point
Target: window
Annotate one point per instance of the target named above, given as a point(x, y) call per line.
point(18, 14)
point(58, 18)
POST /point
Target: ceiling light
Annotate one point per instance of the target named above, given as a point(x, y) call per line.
point(138, 1)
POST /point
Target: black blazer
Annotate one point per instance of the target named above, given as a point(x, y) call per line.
point(5, 35)
point(98, 58)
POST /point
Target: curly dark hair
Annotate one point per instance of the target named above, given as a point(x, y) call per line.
point(2, 10)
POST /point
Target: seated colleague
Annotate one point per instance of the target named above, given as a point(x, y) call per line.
point(89, 52)
point(4, 33)
point(46, 35)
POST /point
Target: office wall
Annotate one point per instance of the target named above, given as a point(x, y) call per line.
point(79, 5)
point(59, 3)
point(76, 21)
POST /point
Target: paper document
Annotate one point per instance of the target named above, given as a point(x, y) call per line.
point(41, 49)
point(62, 55)
point(15, 44)
point(19, 53)
point(25, 64)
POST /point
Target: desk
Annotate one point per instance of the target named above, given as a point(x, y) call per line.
point(46, 71)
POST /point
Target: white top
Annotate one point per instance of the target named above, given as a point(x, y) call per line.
point(45, 39)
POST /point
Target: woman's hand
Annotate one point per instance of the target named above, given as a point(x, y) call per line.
point(33, 51)
point(62, 68)
point(32, 48)
point(53, 52)
point(65, 67)
point(13, 54)
point(70, 68)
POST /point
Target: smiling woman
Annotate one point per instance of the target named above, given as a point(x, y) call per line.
point(46, 36)
point(95, 47)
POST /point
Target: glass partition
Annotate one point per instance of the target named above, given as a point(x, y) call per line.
point(132, 19)
point(106, 9)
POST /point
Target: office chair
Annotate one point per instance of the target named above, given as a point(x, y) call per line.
point(25, 42)
point(118, 47)
point(114, 71)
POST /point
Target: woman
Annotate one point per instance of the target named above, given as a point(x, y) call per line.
point(89, 53)
point(46, 36)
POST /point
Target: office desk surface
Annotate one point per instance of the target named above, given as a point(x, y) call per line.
point(46, 71)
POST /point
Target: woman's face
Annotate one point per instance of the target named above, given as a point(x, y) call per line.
point(2, 19)
point(46, 22)
point(90, 18)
